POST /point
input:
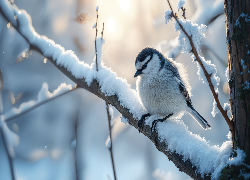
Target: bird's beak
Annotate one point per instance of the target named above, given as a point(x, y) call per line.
point(138, 72)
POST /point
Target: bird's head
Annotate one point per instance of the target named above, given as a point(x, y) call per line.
point(148, 61)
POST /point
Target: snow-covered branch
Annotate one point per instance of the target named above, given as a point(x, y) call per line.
point(190, 41)
point(189, 152)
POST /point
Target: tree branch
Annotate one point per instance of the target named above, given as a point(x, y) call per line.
point(208, 76)
point(8, 154)
point(111, 140)
point(182, 163)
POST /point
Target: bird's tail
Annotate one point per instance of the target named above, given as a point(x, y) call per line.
point(203, 123)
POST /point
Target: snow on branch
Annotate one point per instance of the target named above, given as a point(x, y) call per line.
point(190, 35)
point(189, 152)
point(43, 97)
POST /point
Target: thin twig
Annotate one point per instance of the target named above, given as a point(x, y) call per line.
point(95, 39)
point(208, 76)
point(183, 12)
point(111, 144)
point(2, 133)
point(109, 117)
point(102, 30)
point(9, 156)
point(37, 105)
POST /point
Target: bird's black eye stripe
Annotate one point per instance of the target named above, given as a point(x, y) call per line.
point(145, 65)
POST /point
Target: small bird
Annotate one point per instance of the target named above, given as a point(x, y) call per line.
point(163, 88)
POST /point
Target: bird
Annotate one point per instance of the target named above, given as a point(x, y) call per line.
point(163, 88)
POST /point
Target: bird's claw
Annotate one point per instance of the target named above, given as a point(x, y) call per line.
point(154, 125)
point(142, 121)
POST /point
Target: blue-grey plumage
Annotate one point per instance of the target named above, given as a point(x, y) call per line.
point(163, 87)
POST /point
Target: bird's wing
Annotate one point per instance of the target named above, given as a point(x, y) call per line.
point(185, 93)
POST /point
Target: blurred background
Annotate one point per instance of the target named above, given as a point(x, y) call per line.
point(47, 135)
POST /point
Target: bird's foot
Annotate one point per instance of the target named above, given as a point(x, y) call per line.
point(156, 121)
point(142, 121)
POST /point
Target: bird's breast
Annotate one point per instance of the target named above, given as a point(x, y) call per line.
point(159, 96)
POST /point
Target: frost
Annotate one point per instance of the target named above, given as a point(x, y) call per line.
point(180, 4)
point(168, 16)
point(194, 31)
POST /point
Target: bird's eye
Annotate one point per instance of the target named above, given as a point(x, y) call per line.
point(144, 66)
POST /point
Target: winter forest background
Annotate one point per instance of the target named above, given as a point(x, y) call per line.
point(46, 134)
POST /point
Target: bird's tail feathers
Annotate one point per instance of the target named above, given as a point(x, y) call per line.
point(203, 123)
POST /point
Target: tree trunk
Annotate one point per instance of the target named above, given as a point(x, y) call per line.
point(238, 39)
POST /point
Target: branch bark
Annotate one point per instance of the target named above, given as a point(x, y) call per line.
point(238, 39)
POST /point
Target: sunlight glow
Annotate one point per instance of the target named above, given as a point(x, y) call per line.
point(125, 4)
point(111, 25)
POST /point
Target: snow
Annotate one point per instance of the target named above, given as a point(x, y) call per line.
point(99, 43)
point(12, 139)
point(227, 160)
point(191, 146)
point(108, 142)
point(124, 120)
point(168, 16)
point(44, 93)
point(193, 30)
point(109, 83)
point(180, 4)
point(42, 96)
point(215, 109)
point(211, 69)
point(208, 159)
point(226, 106)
